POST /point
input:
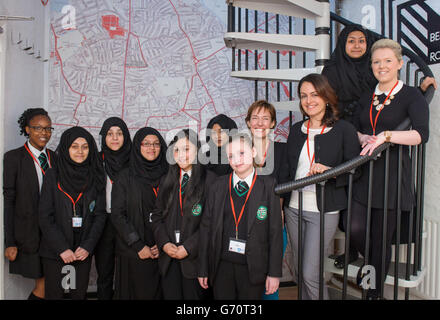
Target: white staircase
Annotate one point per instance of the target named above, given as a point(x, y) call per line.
point(319, 11)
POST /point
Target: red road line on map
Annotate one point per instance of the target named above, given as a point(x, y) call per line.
point(140, 49)
point(125, 61)
point(213, 54)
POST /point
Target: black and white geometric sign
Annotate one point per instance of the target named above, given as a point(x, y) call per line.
point(418, 28)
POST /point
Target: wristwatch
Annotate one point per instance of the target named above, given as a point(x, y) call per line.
point(387, 135)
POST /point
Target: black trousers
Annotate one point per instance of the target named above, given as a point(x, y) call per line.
point(137, 279)
point(105, 262)
point(232, 283)
point(54, 278)
point(176, 287)
point(357, 241)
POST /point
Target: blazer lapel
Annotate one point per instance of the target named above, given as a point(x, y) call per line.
point(252, 204)
point(219, 211)
point(29, 166)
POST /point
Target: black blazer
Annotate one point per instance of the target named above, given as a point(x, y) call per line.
point(55, 217)
point(21, 194)
point(132, 224)
point(264, 245)
point(164, 229)
point(337, 146)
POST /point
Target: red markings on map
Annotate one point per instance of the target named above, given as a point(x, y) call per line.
point(111, 24)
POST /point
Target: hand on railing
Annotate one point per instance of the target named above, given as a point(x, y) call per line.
point(427, 82)
point(317, 168)
point(370, 143)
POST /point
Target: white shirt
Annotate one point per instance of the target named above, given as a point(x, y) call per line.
point(108, 194)
point(236, 179)
point(36, 154)
point(183, 173)
point(378, 92)
point(303, 168)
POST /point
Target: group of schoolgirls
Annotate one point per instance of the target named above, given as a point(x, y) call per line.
point(158, 222)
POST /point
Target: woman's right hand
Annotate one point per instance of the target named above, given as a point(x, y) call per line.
point(68, 256)
point(170, 249)
point(11, 253)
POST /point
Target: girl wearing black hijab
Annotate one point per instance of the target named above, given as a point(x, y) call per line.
point(71, 214)
point(217, 137)
point(115, 154)
point(133, 199)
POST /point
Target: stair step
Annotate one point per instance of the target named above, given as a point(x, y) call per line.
point(268, 41)
point(353, 269)
point(275, 74)
point(307, 9)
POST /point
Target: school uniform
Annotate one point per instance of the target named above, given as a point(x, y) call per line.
point(179, 277)
point(71, 215)
point(114, 162)
point(235, 275)
point(22, 180)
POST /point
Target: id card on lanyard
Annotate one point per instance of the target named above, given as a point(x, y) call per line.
point(76, 220)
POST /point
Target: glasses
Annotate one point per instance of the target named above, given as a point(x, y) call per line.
point(40, 129)
point(150, 145)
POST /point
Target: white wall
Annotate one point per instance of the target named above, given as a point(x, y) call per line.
point(21, 87)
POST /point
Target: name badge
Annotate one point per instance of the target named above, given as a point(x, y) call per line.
point(237, 246)
point(177, 233)
point(77, 222)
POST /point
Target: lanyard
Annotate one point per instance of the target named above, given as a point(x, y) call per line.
point(377, 115)
point(36, 161)
point(156, 190)
point(237, 222)
point(71, 199)
point(308, 150)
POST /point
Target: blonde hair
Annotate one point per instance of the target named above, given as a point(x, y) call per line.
point(390, 44)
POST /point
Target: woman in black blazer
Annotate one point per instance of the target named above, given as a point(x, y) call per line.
point(133, 199)
point(314, 146)
point(71, 214)
point(23, 172)
point(115, 154)
point(176, 220)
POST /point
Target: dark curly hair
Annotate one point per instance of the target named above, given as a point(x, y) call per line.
point(27, 116)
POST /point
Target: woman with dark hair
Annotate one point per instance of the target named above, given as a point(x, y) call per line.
point(133, 199)
point(23, 172)
point(115, 153)
point(218, 131)
point(176, 220)
point(71, 214)
point(314, 145)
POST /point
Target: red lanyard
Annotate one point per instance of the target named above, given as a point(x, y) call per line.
point(180, 193)
point(377, 115)
point(308, 150)
point(156, 190)
point(36, 161)
point(71, 199)
point(237, 222)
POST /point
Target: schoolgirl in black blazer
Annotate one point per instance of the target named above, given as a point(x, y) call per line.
point(71, 214)
point(222, 265)
point(180, 206)
point(115, 154)
point(133, 199)
point(23, 172)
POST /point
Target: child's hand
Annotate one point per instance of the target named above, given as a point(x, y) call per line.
point(203, 281)
point(272, 284)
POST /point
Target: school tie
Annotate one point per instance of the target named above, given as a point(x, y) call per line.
point(241, 188)
point(184, 182)
point(43, 161)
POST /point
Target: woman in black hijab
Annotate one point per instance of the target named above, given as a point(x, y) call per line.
point(133, 199)
point(349, 68)
point(217, 137)
point(115, 154)
point(71, 214)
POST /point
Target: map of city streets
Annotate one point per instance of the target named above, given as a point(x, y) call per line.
point(158, 63)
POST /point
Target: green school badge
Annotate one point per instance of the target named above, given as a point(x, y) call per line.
point(197, 209)
point(92, 206)
point(262, 213)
